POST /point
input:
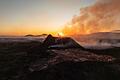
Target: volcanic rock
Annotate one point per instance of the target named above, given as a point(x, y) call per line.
point(70, 70)
point(61, 43)
point(50, 40)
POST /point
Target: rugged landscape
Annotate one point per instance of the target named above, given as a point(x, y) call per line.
point(57, 58)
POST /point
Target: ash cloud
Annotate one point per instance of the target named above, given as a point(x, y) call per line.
point(104, 15)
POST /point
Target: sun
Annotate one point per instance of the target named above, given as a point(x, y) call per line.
point(61, 34)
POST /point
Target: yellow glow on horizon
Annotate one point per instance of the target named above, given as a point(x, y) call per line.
point(21, 31)
point(61, 34)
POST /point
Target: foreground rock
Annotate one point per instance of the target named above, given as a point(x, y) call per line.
point(75, 55)
point(55, 59)
point(71, 70)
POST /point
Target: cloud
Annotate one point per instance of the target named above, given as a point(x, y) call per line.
point(104, 15)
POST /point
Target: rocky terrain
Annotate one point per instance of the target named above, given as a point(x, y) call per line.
point(57, 59)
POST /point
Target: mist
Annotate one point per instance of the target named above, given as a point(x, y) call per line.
point(102, 16)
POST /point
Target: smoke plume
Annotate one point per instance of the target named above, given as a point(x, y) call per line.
point(104, 15)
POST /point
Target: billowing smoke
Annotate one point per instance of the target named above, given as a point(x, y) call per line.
point(104, 15)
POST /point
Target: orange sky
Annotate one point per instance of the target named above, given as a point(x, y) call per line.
point(21, 17)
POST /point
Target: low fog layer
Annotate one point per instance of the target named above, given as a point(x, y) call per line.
point(99, 40)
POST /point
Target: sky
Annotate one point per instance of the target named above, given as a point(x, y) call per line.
point(20, 17)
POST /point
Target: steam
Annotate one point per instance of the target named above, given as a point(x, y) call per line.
point(104, 15)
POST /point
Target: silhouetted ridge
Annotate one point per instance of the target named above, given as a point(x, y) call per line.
point(50, 40)
point(59, 42)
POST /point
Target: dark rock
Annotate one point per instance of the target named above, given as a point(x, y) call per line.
point(59, 43)
point(41, 50)
point(50, 40)
point(66, 42)
point(77, 71)
point(110, 51)
point(38, 52)
point(52, 43)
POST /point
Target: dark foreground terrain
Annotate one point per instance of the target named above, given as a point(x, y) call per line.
point(52, 61)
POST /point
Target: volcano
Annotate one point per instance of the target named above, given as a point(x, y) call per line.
point(61, 43)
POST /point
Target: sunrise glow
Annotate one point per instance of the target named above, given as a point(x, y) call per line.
point(21, 17)
point(61, 34)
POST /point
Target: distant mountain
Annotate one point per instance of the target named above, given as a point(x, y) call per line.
point(30, 35)
point(116, 31)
